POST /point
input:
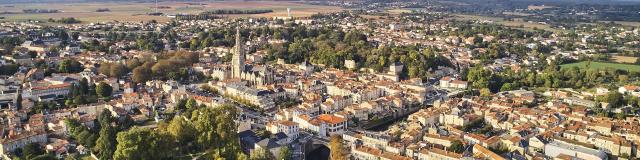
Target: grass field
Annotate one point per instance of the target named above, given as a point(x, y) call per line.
point(134, 11)
point(624, 59)
point(603, 65)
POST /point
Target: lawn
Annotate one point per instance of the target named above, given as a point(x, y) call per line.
point(603, 65)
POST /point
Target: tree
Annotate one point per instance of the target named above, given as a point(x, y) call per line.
point(485, 92)
point(242, 156)
point(621, 115)
point(104, 90)
point(181, 130)
point(44, 157)
point(457, 146)
point(261, 154)
point(337, 148)
point(506, 87)
point(615, 99)
point(143, 143)
point(133, 63)
point(141, 74)
point(8, 69)
point(181, 105)
point(118, 70)
point(32, 150)
point(105, 117)
point(105, 68)
point(191, 103)
point(70, 66)
point(87, 138)
point(217, 130)
point(285, 153)
point(83, 87)
point(105, 145)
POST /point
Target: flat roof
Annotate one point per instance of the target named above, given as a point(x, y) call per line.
point(576, 148)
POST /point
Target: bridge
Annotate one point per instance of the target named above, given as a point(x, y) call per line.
point(310, 143)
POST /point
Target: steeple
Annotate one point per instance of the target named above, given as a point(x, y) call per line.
point(238, 40)
point(237, 61)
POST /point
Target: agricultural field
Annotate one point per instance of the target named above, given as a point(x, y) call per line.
point(398, 11)
point(536, 7)
point(625, 23)
point(517, 23)
point(624, 59)
point(603, 65)
point(134, 11)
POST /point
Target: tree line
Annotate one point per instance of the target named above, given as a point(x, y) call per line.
point(331, 48)
point(488, 81)
point(169, 66)
point(67, 20)
point(237, 11)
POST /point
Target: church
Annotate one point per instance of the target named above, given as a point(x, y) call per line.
point(253, 74)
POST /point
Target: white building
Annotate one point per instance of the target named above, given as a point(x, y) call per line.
point(289, 128)
point(557, 148)
point(19, 140)
point(324, 125)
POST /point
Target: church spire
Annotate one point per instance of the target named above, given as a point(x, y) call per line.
point(238, 39)
point(237, 60)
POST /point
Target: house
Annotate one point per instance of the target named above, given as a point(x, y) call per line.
point(536, 143)
point(350, 64)
point(324, 125)
point(306, 67)
point(56, 90)
point(630, 89)
point(258, 97)
point(439, 140)
point(580, 102)
point(58, 147)
point(558, 148)
point(448, 82)
point(287, 127)
point(270, 145)
point(484, 153)
point(456, 119)
point(435, 153)
point(614, 145)
point(426, 117)
point(36, 45)
point(367, 153)
point(17, 140)
point(601, 127)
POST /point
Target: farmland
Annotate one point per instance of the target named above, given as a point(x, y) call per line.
point(517, 23)
point(603, 65)
point(135, 12)
point(624, 59)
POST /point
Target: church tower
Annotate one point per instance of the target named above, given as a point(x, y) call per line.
point(237, 61)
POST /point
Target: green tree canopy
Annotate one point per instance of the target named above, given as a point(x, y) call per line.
point(143, 144)
point(104, 90)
